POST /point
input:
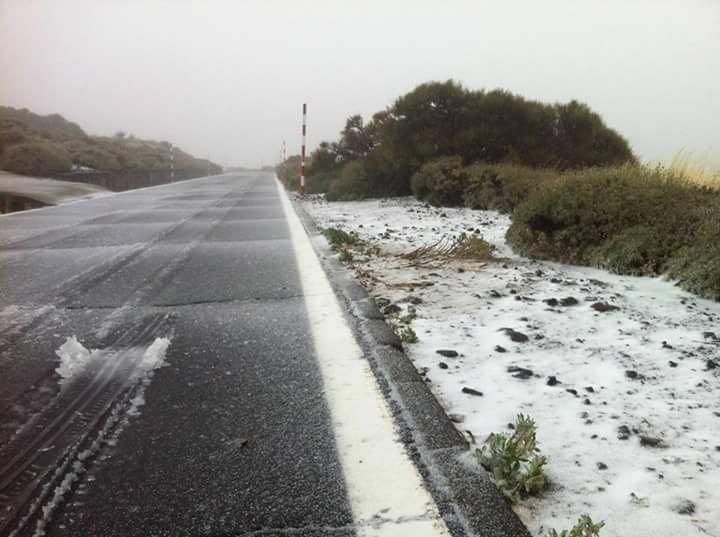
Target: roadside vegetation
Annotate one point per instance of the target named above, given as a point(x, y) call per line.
point(628, 219)
point(518, 470)
point(585, 527)
point(31, 144)
point(379, 157)
point(514, 461)
point(576, 192)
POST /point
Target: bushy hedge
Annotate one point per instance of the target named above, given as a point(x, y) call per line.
point(441, 119)
point(440, 182)
point(351, 185)
point(32, 144)
point(502, 187)
point(628, 219)
point(36, 158)
point(446, 182)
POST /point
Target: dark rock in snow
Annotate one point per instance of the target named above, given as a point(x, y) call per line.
point(553, 381)
point(471, 391)
point(602, 466)
point(672, 364)
point(711, 364)
point(498, 348)
point(442, 365)
point(415, 300)
point(631, 374)
point(602, 307)
point(447, 353)
point(685, 507)
point(495, 294)
point(555, 280)
point(569, 301)
point(711, 335)
point(624, 432)
point(514, 335)
point(651, 441)
point(520, 372)
point(552, 302)
point(572, 391)
point(666, 345)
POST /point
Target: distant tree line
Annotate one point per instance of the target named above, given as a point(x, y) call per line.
point(31, 144)
point(444, 119)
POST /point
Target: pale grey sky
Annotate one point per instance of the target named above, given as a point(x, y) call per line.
point(226, 79)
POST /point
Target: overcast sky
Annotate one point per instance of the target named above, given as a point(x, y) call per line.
point(226, 79)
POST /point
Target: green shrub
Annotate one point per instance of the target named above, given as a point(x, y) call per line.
point(513, 461)
point(36, 158)
point(440, 182)
point(346, 256)
point(696, 267)
point(407, 335)
point(91, 155)
point(339, 238)
point(502, 187)
point(351, 185)
point(629, 219)
point(584, 527)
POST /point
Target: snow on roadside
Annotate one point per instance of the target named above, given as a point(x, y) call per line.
point(621, 373)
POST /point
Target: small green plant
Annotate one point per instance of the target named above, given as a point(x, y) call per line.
point(339, 238)
point(346, 256)
point(407, 335)
point(585, 527)
point(516, 467)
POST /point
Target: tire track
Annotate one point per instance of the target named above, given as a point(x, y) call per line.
point(52, 440)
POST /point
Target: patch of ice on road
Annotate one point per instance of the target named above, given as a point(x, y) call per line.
point(153, 358)
point(631, 421)
point(74, 358)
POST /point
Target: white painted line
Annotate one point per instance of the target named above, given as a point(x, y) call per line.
point(386, 492)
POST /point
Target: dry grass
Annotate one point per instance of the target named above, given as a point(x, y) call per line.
point(464, 246)
point(696, 169)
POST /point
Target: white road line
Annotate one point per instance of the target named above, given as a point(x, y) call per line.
point(386, 492)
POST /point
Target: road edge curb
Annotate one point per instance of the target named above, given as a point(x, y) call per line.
point(468, 500)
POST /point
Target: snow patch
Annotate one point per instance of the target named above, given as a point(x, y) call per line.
point(74, 358)
point(650, 366)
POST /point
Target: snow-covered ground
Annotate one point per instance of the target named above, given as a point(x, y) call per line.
point(621, 374)
point(49, 191)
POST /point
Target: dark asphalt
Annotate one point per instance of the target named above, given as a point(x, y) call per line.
point(234, 435)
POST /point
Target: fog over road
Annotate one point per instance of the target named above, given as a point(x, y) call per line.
point(248, 426)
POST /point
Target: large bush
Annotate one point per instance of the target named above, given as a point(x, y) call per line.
point(444, 118)
point(351, 185)
point(502, 187)
point(440, 182)
point(628, 219)
point(36, 158)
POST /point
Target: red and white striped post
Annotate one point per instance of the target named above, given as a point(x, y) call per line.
point(302, 153)
point(172, 163)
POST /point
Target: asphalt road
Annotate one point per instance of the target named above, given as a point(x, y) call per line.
point(235, 433)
